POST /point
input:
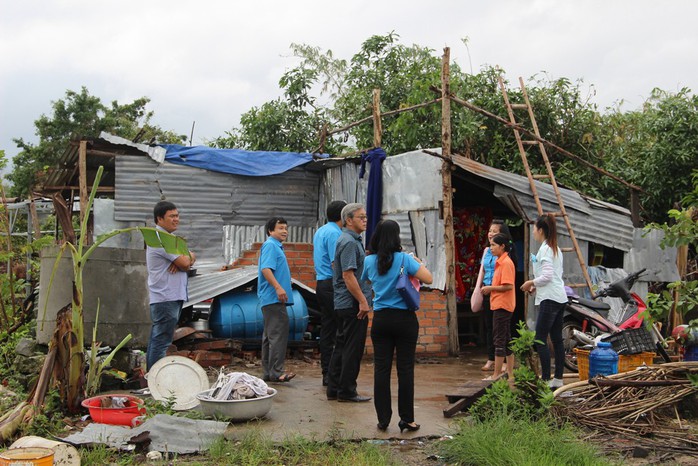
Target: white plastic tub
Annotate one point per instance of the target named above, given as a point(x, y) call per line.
point(236, 410)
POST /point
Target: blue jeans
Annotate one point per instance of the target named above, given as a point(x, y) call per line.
point(164, 316)
point(549, 322)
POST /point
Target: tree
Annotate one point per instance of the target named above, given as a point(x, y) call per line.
point(82, 114)
point(654, 147)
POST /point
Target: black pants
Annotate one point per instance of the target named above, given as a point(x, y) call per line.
point(549, 323)
point(489, 326)
point(394, 331)
point(328, 331)
point(348, 351)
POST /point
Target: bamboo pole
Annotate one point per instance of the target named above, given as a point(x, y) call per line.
point(449, 237)
point(82, 174)
point(390, 113)
point(377, 126)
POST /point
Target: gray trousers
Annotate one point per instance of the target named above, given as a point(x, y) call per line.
point(274, 340)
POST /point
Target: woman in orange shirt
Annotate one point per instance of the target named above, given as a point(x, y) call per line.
point(502, 303)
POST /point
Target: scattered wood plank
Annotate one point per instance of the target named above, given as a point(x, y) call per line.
point(465, 395)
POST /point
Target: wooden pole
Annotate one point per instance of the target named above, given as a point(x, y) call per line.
point(449, 240)
point(377, 127)
point(82, 176)
point(34, 219)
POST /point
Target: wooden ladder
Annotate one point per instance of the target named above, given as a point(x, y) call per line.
point(550, 176)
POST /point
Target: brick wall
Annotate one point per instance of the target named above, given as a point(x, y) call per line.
point(432, 315)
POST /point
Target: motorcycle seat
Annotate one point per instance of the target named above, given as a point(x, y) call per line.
point(591, 304)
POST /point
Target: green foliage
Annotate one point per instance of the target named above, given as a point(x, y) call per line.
point(81, 114)
point(653, 147)
point(530, 398)
point(8, 370)
point(507, 441)
point(49, 421)
point(682, 231)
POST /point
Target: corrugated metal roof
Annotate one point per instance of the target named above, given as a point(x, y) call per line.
point(210, 285)
point(240, 200)
point(591, 219)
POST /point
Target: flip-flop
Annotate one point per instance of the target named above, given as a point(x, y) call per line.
point(284, 377)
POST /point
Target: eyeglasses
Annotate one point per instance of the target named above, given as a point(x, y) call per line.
point(361, 217)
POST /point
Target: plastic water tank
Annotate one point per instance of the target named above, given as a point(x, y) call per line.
point(237, 314)
point(691, 353)
point(603, 360)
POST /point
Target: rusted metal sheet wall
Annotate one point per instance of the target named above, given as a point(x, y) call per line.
point(239, 200)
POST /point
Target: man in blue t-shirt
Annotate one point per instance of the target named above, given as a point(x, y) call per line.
point(351, 304)
point(324, 244)
point(274, 293)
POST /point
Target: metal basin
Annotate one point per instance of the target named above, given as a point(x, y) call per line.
point(236, 410)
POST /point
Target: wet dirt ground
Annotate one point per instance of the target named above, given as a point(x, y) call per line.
point(301, 407)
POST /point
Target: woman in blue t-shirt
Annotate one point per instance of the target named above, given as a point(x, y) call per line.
point(394, 329)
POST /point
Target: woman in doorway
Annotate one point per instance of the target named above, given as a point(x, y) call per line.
point(503, 302)
point(484, 278)
point(550, 297)
point(395, 329)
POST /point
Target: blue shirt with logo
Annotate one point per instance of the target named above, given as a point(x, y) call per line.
point(385, 294)
point(272, 257)
point(324, 247)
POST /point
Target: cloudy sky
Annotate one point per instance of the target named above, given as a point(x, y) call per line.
point(210, 61)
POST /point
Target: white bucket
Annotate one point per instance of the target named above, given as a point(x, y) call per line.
point(63, 453)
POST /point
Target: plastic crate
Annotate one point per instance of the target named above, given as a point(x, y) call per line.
point(630, 362)
point(631, 341)
point(626, 362)
point(582, 363)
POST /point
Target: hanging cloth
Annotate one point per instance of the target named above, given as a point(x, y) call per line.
point(374, 194)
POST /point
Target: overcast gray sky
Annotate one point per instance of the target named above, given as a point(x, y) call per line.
point(210, 61)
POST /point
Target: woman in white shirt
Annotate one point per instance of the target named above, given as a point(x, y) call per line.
point(550, 297)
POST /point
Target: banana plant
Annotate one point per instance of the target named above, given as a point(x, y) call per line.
point(76, 383)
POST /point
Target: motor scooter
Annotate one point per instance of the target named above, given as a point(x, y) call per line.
point(586, 321)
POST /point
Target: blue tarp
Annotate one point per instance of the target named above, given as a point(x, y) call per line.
point(237, 161)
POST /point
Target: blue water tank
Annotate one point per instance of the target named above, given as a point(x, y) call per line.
point(603, 360)
point(237, 314)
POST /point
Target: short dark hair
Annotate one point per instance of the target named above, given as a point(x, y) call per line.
point(272, 222)
point(161, 208)
point(334, 211)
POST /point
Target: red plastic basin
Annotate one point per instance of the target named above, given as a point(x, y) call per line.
point(115, 416)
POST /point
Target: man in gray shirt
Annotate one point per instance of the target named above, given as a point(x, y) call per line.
point(167, 285)
point(351, 303)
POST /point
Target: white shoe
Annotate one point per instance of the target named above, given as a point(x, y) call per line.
point(555, 383)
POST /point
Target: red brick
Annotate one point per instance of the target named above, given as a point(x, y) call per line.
point(433, 331)
point(440, 338)
point(426, 339)
point(426, 323)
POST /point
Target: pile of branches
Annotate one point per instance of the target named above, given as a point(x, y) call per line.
point(641, 406)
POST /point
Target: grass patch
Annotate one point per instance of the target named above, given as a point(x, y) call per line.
point(503, 440)
point(256, 449)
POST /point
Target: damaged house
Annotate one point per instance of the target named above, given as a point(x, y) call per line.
point(223, 213)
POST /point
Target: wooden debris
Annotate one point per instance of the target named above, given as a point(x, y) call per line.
point(465, 395)
point(640, 406)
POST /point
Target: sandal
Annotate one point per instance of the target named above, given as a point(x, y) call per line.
point(488, 366)
point(285, 377)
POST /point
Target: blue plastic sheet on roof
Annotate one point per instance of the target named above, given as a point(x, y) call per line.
point(237, 161)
